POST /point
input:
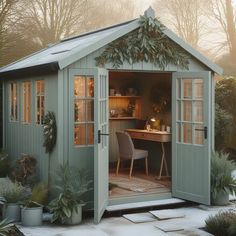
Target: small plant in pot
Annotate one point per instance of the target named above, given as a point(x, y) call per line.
point(222, 181)
point(32, 208)
point(12, 193)
point(71, 184)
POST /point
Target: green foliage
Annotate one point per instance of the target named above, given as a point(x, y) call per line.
point(221, 174)
point(222, 224)
point(225, 116)
point(5, 227)
point(12, 192)
point(148, 43)
point(49, 131)
point(38, 196)
point(25, 170)
point(71, 184)
point(4, 164)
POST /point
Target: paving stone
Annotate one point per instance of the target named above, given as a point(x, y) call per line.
point(167, 214)
point(140, 217)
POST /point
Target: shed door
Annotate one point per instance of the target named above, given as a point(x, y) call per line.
point(101, 144)
point(191, 139)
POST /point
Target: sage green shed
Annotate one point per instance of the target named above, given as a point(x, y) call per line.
point(64, 78)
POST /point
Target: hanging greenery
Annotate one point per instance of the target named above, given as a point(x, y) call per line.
point(49, 131)
point(147, 43)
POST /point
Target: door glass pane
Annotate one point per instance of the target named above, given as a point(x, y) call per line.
point(198, 135)
point(179, 110)
point(80, 110)
point(187, 109)
point(198, 88)
point(79, 86)
point(179, 132)
point(179, 88)
point(187, 132)
point(80, 134)
point(90, 110)
point(187, 88)
point(90, 87)
point(90, 133)
point(198, 111)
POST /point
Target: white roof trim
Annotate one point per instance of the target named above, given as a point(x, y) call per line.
point(193, 51)
point(75, 56)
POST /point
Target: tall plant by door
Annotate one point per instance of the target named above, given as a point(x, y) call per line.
point(222, 181)
point(71, 184)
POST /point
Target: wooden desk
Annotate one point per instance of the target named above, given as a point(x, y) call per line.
point(156, 136)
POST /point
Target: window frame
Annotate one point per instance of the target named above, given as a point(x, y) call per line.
point(84, 122)
point(28, 102)
point(41, 94)
point(15, 117)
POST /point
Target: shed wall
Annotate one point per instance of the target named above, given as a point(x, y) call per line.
point(28, 138)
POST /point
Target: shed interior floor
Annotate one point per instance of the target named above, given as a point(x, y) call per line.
point(139, 184)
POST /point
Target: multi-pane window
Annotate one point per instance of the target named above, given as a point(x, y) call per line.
point(26, 101)
point(83, 110)
point(39, 101)
point(13, 101)
point(190, 116)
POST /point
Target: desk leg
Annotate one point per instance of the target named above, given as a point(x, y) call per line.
point(163, 162)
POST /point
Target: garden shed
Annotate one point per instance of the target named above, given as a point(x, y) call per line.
point(109, 80)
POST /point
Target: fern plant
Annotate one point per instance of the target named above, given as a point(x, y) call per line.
point(5, 227)
point(221, 174)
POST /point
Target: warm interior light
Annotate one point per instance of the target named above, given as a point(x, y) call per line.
point(153, 119)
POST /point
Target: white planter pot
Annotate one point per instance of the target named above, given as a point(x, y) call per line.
point(76, 217)
point(12, 212)
point(31, 216)
point(221, 199)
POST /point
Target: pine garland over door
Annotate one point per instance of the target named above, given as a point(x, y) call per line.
point(147, 43)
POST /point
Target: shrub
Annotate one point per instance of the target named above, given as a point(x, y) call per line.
point(222, 224)
point(10, 191)
point(221, 174)
point(25, 170)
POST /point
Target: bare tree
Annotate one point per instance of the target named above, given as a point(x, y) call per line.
point(47, 21)
point(223, 14)
point(184, 17)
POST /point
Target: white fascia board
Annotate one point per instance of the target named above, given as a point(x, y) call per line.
point(77, 55)
point(193, 52)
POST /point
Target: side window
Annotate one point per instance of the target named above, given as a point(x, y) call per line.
point(83, 110)
point(39, 101)
point(13, 101)
point(26, 102)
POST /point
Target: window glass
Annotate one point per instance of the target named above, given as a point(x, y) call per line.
point(26, 103)
point(39, 101)
point(83, 110)
point(13, 102)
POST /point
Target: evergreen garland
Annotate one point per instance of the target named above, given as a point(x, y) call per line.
point(49, 131)
point(147, 43)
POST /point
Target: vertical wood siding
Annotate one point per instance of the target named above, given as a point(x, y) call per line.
point(28, 138)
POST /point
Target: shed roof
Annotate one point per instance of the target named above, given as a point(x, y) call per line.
point(69, 50)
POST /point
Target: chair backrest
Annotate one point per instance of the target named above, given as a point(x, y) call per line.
point(126, 146)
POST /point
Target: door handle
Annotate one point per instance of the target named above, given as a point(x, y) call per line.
point(204, 130)
point(99, 135)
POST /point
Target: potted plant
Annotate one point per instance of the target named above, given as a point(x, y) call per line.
point(222, 181)
point(71, 184)
point(12, 193)
point(32, 208)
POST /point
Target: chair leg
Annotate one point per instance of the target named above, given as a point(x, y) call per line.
point(146, 165)
point(131, 167)
point(118, 166)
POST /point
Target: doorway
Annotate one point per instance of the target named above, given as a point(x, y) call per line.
point(136, 98)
